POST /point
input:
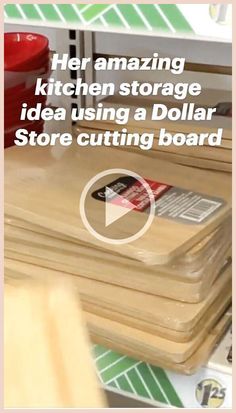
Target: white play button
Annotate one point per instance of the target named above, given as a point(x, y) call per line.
point(115, 212)
point(106, 201)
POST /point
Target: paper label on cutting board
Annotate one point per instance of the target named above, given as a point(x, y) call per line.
point(173, 203)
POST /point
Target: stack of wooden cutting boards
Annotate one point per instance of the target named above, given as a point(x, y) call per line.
point(216, 158)
point(163, 298)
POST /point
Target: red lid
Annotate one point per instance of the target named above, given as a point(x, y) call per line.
point(23, 49)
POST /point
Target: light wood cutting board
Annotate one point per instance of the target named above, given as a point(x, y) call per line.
point(79, 260)
point(155, 285)
point(179, 126)
point(153, 345)
point(189, 161)
point(205, 323)
point(162, 311)
point(189, 262)
point(190, 366)
point(163, 348)
point(204, 157)
point(205, 151)
point(43, 186)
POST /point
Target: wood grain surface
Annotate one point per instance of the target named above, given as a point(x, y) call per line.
point(44, 185)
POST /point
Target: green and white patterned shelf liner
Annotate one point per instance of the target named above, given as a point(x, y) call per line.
point(203, 21)
point(165, 388)
point(135, 17)
point(135, 377)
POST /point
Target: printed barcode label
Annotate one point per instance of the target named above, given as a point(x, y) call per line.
point(171, 202)
point(186, 206)
point(199, 211)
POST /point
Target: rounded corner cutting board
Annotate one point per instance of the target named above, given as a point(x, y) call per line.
point(189, 366)
point(119, 333)
point(154, 285)
point(161, 311)
point(185, 126)
point(144, 342)
point(189, 161)
point(47, 360)
point(225, 146)
point(203, 152)
point(39, 249)
point(204, 325)
point(188, 267)
point(43, 185)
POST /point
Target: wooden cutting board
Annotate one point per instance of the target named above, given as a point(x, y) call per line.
point(137, 340)
point(162, 311)
point(199, 152)
point(198, 254)
point(155, 285)
point(205, 323)
point(189, 268)
point(163, 348)
point(53, 180)
point(190, 366)
point(75, 259)
point(179, 126)
point(206, 151)
point(203, 157)
point(47, 360)
point(187, 161)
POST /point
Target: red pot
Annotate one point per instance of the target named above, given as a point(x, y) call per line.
point(19, 93)
point(23, 50)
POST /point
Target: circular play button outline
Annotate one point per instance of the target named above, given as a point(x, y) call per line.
point(139, 233)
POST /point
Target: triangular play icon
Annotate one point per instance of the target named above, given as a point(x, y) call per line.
point(115, 212)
